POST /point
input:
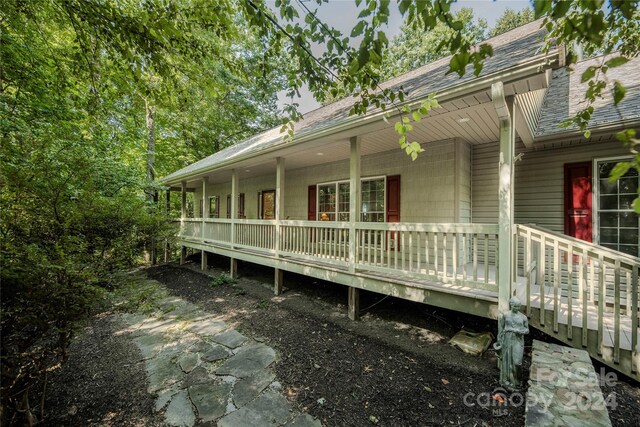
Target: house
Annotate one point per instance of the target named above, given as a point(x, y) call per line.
point(502, 201)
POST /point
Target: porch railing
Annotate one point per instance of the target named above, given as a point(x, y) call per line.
point(461, 254)
point(582, 284)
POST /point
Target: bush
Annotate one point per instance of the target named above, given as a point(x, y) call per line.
point(222, 279)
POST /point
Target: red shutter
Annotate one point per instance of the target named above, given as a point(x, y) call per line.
point(241, 206)
point(393, 198)
point(228, 205)
point(311, 205)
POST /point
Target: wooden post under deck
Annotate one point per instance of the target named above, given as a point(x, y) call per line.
point(354, 303)
point(278, 276)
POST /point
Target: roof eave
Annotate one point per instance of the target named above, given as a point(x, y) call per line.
point(519, 71)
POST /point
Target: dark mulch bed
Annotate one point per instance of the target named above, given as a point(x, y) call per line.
point(393, 368)
point(394, 365)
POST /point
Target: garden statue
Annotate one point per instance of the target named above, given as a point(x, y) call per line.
point(513, 326)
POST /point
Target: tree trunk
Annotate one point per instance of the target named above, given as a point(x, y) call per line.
point(152, 194)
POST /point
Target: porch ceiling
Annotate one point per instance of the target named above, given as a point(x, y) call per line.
point(471, 118)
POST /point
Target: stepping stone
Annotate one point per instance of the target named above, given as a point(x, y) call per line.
point(217, 352)
point(269, 409)
point(162, 373)
point(304, 420)
point(207, 327)
point(248, 360)
point(248, 388)
point(164, 397)
point(150, 345)
point(180, 411)
point(188, 362)
point(557, 389)
point(198, 375)
point(231, 339)
point(210, 399)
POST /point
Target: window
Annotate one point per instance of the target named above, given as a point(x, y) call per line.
point(618, 224)
point(333, 200)
point(214, 207)
point(373, 201)
point(240, 213)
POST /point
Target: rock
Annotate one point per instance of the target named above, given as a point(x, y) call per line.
point(210, 399)
point(247, 361)
point(231, 339)
point(180, 411)
point(164, 397)
point(162, 372)
point(207, 327)
point(269, 409)
point(216, 352)
point(248, 388)
point(188, 361)
point(150, 345)
point(198, 375)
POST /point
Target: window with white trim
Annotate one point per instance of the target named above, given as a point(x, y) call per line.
point(333, 200)
point(618, 224)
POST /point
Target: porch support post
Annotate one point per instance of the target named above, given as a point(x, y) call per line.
point(505, 110)
point(233, 268)
point(205, 214)
point(183, 215)
point(168, 214)
point(354, 303)
point(354, 200)
point(277, 285)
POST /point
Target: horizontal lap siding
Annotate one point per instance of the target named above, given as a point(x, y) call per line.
point(539, 181)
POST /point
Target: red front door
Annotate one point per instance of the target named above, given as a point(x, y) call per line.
point(578, 201)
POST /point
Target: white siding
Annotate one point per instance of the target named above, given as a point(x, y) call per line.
point(539, 181)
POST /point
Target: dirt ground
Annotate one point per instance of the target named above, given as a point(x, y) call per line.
point(394, 367)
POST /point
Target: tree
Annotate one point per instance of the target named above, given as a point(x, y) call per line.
point(511, 19)
point(414, 47)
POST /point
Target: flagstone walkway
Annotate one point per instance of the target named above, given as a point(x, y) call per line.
point(202, 370)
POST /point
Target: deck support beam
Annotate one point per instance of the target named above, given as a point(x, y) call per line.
point(354, 200)
point(505, 109)
point(280, 172)
point(278, 281)
point(354, 303)
point(233, 268)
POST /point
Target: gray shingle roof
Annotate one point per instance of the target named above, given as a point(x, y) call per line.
point(509, 48)
point(565, 97)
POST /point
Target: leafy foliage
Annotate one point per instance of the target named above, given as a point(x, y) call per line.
point(511, 19)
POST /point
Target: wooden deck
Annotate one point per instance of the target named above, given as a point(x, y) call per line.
point(455, 266)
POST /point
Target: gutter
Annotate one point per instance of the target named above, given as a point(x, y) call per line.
point(606, 128)
point(524, 69)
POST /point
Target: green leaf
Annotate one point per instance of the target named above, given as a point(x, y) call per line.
point(636, 205)
point(619, 170)
point(541, 7)
point(358, 29)
point(405, 120)
point(618, 92)
point(616, 62)
point(416, 116)
point(588, 74)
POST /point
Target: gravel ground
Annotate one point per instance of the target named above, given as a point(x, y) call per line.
point(392, 368)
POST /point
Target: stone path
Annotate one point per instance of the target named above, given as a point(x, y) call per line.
point(564, 390)
point(202, 370)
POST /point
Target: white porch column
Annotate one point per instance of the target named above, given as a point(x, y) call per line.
point(505, 111)
point(233, 268)
point(354, 199)
point(278, 276)
point(354, 217)
point(183, 215)
point(205, 214)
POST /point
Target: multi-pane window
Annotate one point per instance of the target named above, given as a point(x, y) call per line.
point(214, 207)
point(373, 201)
point(333, 200)
point(618, 224)
point(327, 202)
